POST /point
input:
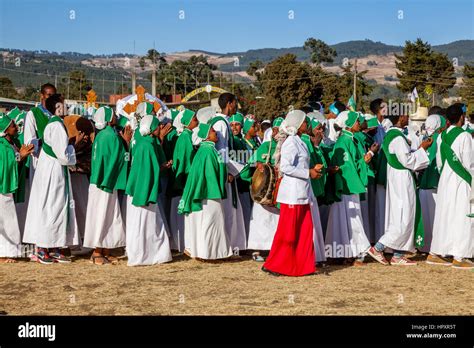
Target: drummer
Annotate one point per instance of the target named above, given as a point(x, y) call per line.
point(263, 219)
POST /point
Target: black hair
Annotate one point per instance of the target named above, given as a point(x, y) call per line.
point(307, 109)
point(52, 101)
point(340, 106)
point(435, 110)
point(225, 98)
point(265, 125)
point(376, 105)
point(46, 86)
point(454, 113)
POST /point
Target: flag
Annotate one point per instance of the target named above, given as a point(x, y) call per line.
point(351, 104)
point(414, 95)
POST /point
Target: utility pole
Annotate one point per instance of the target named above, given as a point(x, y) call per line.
point(174, 86)
point(134, 82)
point(355, 81)
point(153, 74)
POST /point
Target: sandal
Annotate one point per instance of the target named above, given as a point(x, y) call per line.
point(105, 261)
point(256, 257)
point(7, 260)
point(112, 259)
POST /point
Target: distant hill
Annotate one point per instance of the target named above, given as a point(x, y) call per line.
point(107, 72)
point(463, 50)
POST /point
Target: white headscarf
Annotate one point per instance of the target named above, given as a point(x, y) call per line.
point(177, 122)
point(341, 119)
point(432, 123)
point(386, 124)
point(205, 114)
point(103, 115)
point(146, 124)
point(292, 122)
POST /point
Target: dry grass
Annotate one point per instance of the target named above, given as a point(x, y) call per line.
point(189, 287)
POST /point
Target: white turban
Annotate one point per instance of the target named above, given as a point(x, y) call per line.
point(292, 122)
point(148, 124)
point(102, 116)
point(432, 123)
point(341, 119)
point(386, 124)
point(177, 122)
point(205, 114)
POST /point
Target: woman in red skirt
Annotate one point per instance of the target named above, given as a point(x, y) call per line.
point(292, 252)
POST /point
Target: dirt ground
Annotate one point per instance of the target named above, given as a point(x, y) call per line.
point(190, 287)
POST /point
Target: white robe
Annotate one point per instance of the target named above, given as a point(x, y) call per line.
point(234, 218)
point(205, 235)
point(30, 137)
point(246, 203)
point(345, 235)
point(80, 188)
point(104, 222)
point(176, 226)
point(147, 238)
point(263, 225)
point(10, 237)
point(318, 239)
point(380, 193)
point(428, 206)
point(452, 229)
point(400, 201)
point(51, 219)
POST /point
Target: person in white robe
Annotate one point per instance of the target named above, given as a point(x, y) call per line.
point(234, 218)
point(51, 219)
point(104, 229)
point(202, 202)
point(12, 156)
point(453, 233)
point(147, 237)
point(401, 197)
point(429, 178)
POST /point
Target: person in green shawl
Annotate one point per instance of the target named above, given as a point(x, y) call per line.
point(105, 227)
point(12, 182)
point(241, 153)
point(202, 201)
point(263, 219)
point(366, 136)
point(250, 132)
point(345, 235)
point(183, 156)
point(147, 238)
point(428, 179)
point(403, 223)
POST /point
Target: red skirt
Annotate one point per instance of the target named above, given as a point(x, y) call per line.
point(292, 251)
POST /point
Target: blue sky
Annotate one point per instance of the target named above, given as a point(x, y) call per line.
point(111, 26)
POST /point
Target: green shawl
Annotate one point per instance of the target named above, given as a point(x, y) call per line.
point(182, 159)
point(144, 178)
point(430, 177)
point(109, 161)
point(206, 180)
point(10, 180)
point(316, 157)
point(348, 154)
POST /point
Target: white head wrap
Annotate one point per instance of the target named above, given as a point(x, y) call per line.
point(292, 122)
point(432, 123)
point(205, 114)
point(177, 122)
point(146, 124)
point(342, 118)
point(386, 124)
point(102, 116)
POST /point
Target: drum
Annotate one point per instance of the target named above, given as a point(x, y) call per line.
point(75, 124)
point(263, 185)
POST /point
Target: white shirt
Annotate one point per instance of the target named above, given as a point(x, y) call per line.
point(295, 186)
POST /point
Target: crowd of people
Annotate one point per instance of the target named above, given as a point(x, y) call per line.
point(347, 185)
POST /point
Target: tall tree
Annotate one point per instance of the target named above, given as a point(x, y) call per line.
point(467, 89)
point(430, 72)
point(285, 82)
point(320, 52)
point(7, 89)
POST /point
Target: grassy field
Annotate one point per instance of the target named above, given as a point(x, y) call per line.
point(190, 287)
